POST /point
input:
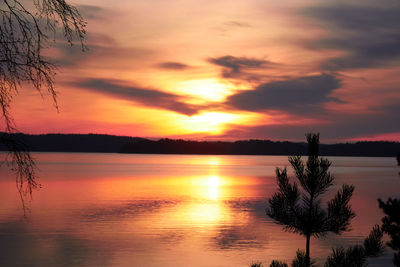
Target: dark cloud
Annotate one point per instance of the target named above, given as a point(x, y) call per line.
point(384, 120)
point(369, 35)
point(300, 95)
point(172, 66)
point(70, 56)
point(236, 63)
point(233, 67)
point(144, 96)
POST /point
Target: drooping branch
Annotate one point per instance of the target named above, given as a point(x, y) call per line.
point(25, 28)
point(22, 165)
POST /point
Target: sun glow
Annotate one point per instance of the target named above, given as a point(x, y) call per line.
point(214, 161)
point(213, 187)
point(211, 122)
point(210, 187)
point(204, 213)
point(213, 181)
point(206, 89)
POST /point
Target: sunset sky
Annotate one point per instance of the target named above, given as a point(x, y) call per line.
point(227, 70)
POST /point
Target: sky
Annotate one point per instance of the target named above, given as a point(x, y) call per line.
point(226, 70)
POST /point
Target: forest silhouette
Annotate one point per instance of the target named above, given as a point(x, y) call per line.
point(125, 144)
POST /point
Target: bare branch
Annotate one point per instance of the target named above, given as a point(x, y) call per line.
point(24, 35)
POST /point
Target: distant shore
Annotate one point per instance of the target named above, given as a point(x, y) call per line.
point(101, 143)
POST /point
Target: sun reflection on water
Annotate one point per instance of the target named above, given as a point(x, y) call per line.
point(213, 187)
point(202, 213)
point(214, 161)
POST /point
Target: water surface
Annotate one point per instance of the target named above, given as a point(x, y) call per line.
point(171, 210)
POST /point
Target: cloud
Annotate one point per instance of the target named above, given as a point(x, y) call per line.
point(103, 52)
point(239, 24)
point(300, 95)
point(231, 25)
point(144, 96)
point(91, 12)
point(237, 63)
point(173, 66)
point(233, 67)
point(368, 34)
point(383, 120)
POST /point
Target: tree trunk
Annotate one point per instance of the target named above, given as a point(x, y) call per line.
point(308, 236)
point(308, 250)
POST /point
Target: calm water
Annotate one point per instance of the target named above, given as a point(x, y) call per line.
point(171, 211)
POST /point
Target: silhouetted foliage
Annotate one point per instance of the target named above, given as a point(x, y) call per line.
point(398, 158)
point(276, 263)
point(356, 256)
point(301, 260)
point(22, 164)
point(24, 35)
point(256, 264)
point(351, 257)
point(300, 211)
point(391, 225)
point(373, 245)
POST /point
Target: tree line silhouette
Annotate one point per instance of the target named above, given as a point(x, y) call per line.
point(125, 144)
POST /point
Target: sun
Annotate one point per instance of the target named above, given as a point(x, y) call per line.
point(209, 89)
point(207, 122)
point(210, 122)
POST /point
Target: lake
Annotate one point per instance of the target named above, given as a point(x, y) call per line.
point(172, 210)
